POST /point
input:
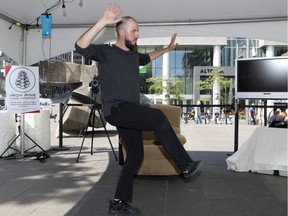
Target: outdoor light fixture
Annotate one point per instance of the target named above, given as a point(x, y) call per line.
point(64, 9)
point(17, 24)
point(37, 22)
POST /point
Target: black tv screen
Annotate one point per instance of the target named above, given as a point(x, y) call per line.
point(262, 78)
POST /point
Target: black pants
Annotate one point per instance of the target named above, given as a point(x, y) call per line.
point(130, 120)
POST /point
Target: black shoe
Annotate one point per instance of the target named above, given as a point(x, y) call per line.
point(121, 207)
point(191, 169)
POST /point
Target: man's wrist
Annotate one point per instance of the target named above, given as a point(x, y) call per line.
point(102, 22)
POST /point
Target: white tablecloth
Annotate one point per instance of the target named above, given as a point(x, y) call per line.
point(37, 127)
point(7, 132)
point(265, 150)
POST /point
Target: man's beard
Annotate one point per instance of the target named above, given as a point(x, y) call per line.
point(130, 46)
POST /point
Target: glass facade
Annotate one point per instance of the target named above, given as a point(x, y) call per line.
point(181, 63)
point(236, 48)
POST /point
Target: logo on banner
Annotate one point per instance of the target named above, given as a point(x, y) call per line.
point(22, 89)
point(22, 80)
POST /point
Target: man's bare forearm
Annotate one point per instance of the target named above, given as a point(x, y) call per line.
point(155, 54)
point(110, 16)
point(87, 37)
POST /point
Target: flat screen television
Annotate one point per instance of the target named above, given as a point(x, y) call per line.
point(261, 78)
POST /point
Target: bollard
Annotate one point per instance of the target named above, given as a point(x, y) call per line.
point(61, 148)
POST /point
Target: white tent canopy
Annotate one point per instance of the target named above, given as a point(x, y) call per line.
point(258, 19)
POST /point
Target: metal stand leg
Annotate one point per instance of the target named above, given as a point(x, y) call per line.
point(10, 146)
point(84, 135)
point(22, 134)
point(60, 147)
point(101, 117)
point(92, 114)
point(236, 126)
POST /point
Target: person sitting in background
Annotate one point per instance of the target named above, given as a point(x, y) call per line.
point(285, 117)
point(277, 119)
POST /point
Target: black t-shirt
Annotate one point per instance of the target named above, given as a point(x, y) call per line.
point(118, 72)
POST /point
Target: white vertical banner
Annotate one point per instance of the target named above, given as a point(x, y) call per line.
point(22, 89)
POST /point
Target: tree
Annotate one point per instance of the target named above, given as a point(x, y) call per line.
point(207, 84)
point(173, 89)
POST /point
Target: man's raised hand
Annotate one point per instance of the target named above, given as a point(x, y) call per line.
point(112, 13)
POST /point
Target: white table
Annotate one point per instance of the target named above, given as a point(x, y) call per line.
point(264, 151)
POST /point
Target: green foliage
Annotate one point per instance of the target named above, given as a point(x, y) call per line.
point(173, 88)
point(155, 86)
point(242, 114)
point(207, 84)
